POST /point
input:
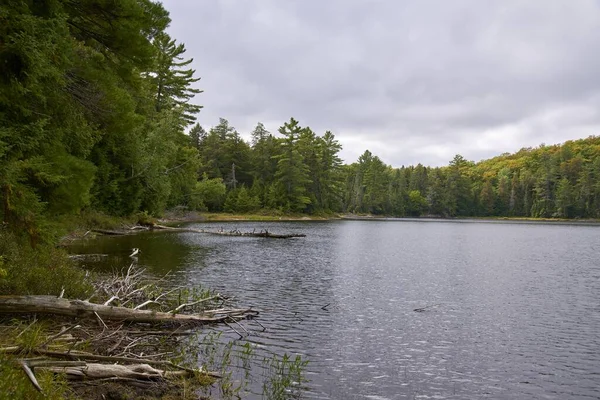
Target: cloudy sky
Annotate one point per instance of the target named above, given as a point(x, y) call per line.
point(412, 81)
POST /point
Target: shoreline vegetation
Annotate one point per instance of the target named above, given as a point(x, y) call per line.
point(98, 223)
point(174, 217)
point(57, 345)
point(177, 218)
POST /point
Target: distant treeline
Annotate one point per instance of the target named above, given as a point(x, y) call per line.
point(300, 171)
point(95, 103)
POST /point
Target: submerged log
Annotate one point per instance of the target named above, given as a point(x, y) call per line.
point(88, 257)
point(110, 232)
point(263, 233)
point(81, 308)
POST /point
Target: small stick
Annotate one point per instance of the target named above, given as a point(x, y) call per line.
point(28, 326)
point(31, 376)
point(144, 304)
point(97, 316)
point(59, 334)
point(113, 348)
point(107, 302)
point(215, 297)
point(169, 292)
point(241, 336)
point(137, 290)
point(241, 326)
point(262, 326)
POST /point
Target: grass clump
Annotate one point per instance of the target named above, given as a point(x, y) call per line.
point(43, 270)
point(14, 384)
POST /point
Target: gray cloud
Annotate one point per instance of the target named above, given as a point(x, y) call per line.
point(412, 81)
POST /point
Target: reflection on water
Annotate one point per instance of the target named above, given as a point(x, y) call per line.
point(161, 252)
point(515, 307)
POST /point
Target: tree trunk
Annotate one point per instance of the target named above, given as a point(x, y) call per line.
point(81, 308)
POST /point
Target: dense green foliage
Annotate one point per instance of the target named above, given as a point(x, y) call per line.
point(545, 182)
point(300, 171)
point(94, 106)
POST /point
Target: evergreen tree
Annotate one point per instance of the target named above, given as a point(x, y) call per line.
point(69, 90)
point(197, 136)
point(292, 175)
point(263, 160)
point(172, 80)
point(330, 179)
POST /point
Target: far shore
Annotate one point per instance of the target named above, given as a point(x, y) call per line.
point(193, 216)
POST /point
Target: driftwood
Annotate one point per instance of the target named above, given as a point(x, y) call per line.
point(117, 348)
point(110, 232)
point(264, 233)
point(138, 370)
point(89, 371)
point(82, 308)
point(81, 359)
point(88, 257)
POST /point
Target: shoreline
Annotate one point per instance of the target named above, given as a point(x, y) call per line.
point(171, 217)
point(474, 219)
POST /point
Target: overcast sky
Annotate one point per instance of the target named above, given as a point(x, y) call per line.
point(411, 81)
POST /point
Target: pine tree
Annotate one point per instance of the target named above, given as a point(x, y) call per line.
point(197, 136)
point(292, 174)
point(330, 182)
point(265, 148)
point(172, 80)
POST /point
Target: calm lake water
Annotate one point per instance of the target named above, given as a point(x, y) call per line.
point(513, 308)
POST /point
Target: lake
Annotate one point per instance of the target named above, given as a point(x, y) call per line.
point(505, 310)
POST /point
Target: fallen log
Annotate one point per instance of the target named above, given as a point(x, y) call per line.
point(82, 308)
point(79, 356)
point(263, 233)
point(110, 232)
point(85, 371)
point(88, 257)
point(90, 371)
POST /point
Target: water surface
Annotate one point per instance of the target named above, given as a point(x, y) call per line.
point(513, 308)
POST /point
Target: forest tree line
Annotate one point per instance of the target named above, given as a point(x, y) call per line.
point(300, 171)
point(96, 113)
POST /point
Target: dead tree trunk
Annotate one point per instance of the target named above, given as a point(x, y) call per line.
point(81, 308)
